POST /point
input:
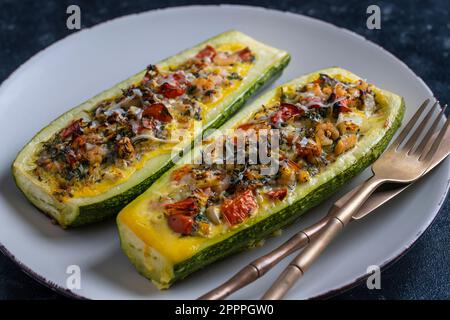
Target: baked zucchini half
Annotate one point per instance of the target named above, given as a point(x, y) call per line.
point(330, 124)
point(93, 160)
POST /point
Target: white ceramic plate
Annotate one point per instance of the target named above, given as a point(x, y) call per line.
point(87, 62)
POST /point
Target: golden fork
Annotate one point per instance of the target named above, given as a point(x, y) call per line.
point(405, 161)
point(259, 267)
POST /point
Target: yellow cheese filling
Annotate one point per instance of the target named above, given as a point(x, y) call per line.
point(121, 174)
point(147, 220)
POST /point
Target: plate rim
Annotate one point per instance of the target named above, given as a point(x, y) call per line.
point(328, 294)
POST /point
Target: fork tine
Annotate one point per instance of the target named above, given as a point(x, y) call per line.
point(426, 140)
point(420, 128)
point(409, 126)
point(427, 157)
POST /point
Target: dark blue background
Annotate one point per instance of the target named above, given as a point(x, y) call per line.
point(417, 32)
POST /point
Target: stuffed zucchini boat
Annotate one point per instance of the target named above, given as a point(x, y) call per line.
point(93, 160)
point(330, 125)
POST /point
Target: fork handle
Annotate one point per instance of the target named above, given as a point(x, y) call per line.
point(243, 277)
point(337, 221)
point(257, 268)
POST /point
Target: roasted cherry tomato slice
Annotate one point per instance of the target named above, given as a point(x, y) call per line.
point(278, 194)
point(157, 111)
point(180, 78)
point(343, 106)
point(78, 142)
point(171, 91)
point(207, 52)
point(245, 55)
point(179, 173)
point(254, 126)
point(180, 223)
point(72, 129)
point(239, 207)
point(187, 206)
point(285, 112)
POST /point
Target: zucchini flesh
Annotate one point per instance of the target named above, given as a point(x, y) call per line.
point(164, 259)
point(80, 210)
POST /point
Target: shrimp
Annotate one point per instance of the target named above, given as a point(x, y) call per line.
point(203, 85)
point(223, 59)
point(309, 150)
point(326, 133)
point(95, 155)
point(206, 89)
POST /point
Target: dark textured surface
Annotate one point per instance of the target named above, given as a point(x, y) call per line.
point(417, 32)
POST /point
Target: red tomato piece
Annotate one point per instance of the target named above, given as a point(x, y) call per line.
point(171, 91)
point(343, 106)
point(187, 206)
point(246, 126)
point(181, 223)
point(207, 52)
point(71, 129)
point(157, 111)
point(245, 54)
point(285, 112)
point(78, 142)
point(254, 126)
point(180, 78)
point(311, 102)
point(239, 207)
point(278, 194)
point(181, 172)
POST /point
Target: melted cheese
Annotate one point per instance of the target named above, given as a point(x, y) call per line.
point(120, 174)
point(156, 231)
point(124, 174)
point(150, 225)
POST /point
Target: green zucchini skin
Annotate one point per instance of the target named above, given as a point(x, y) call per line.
point(164, 273)
point(97, 212)
point(88, 211)
point(263, 229)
